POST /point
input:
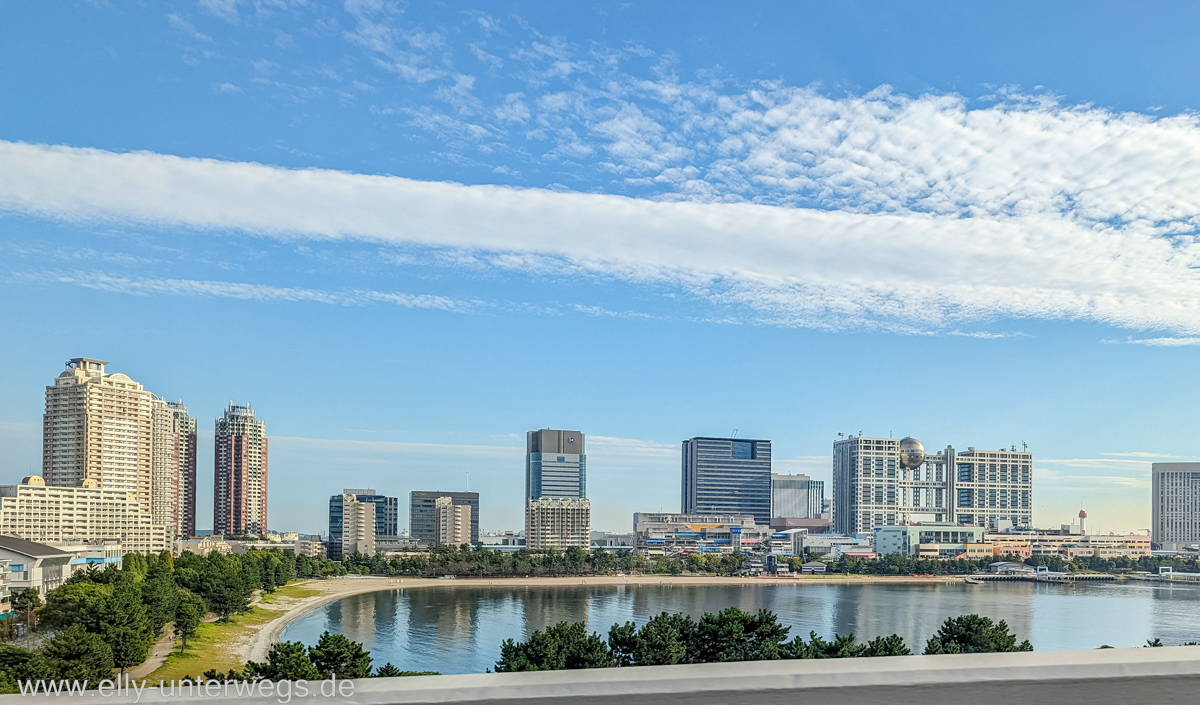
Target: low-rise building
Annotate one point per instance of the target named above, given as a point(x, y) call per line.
point(36, 511)
point(207, 544)
point(835, 544)
point(92, 554)
point(917, 539)
point(663, 533)
point(33, 565)
point(310, 548)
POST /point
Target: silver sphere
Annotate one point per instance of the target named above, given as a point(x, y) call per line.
point(912, 453)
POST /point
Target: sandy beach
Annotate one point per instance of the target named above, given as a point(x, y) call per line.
point(256, 647)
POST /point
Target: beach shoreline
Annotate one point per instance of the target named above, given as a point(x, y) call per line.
point(265, 636)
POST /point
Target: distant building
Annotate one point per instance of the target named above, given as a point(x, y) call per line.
point(184, 430)
point(558, 522)
point(34, 565)
point(557, 511)
point(98, 426)
point(1174, 505)
point(727, 476)
point(36, 511)
point(205, 545)
point(421, 514)
point(387, 510)
point(451, 522)
point(355, 528)
point(668, 533)
point(909, 540)
point(240, 473)
point(307, 547)
point(888, 482)
point(796, 497)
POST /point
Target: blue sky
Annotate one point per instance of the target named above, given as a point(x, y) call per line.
point(408, 234)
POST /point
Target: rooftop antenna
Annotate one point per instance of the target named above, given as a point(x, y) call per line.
point(468, 482)
point(841, 435)
point(1024, 445)
point(734, 433)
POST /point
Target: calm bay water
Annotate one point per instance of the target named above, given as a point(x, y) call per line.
point(458, 629)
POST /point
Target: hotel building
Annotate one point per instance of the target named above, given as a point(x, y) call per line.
point(557, 511)
point(1175, 500)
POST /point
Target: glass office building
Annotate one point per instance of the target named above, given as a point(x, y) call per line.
point(727, 476)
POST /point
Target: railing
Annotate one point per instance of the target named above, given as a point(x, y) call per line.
point(1161, 675)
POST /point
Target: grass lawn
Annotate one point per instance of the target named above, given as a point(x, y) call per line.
point(214, 646)
point(297, 591)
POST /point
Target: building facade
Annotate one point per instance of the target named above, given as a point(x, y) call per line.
point(555, 464)
point(166, 467)
point(727, 476)
point(1175, 505)
point(884, 482)
point(35, 511)
point(387, 513)
point(184, 431)
point(356, 532)
point(557, 512)
point(451, 522)
point(240, 473)
point(796, 497)
point(98, 426)
point(558, 522)
point(422, 507)
point(34, 566)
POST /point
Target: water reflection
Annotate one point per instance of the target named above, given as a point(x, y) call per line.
point(459, 629)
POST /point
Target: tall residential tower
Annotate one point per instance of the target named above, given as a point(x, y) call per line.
point(240, 473)
point(98, 426)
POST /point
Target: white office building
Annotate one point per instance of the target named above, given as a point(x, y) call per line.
point(889, 482)
point(1175, 510)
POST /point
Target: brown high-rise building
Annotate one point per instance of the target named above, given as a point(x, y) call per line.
point(240, 469)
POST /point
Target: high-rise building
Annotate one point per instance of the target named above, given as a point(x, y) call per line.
point(184, 430)
point(451, 522)
point(555, 464)
point(240, 473)
point(796, 497)
point(557, 512)
point(422, 522)
point(166, 468)
point(1175, 505)
point(98, 426)
point(355, 527)
point(558, 522)
point(36, 511)
point(386, 513)
point(727, 476)
point(890, 482)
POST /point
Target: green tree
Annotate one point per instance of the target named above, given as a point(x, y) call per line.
point(128, 645)
point(734, 635)
point(287, 660)
point(84, 604)
point(970, 634)
point(25, 603)
point(189, 610)
point(661, 641)
point(387, 670)
point(560, 647)
point(335, 655)
point(75, 654)
point(159, 595)
point(20, 664)
point(842, 646)
point(886, 646)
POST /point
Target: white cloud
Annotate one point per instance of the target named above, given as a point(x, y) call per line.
point(256, 292)
point(1169, 342)
point(903, 270)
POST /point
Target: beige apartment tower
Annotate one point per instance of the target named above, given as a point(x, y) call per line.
point(98, 426)
point(358, 526)
point(558, 523)
point(451, 522)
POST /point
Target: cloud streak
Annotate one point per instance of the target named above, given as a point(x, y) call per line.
point(904, 270)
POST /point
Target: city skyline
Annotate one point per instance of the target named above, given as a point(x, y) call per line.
point(431, 229)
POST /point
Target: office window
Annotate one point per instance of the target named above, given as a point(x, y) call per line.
point(964, 472)
point(743, 450)
point(964, 498)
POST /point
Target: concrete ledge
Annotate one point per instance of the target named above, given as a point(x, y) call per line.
point(1162, 675)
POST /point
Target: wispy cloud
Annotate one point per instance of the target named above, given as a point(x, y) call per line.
point(793, 266)
point(1169, 342)
point(255, 292)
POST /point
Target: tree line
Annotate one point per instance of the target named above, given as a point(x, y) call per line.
point(106, 620)
point(730, 635)
point(333, 655)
